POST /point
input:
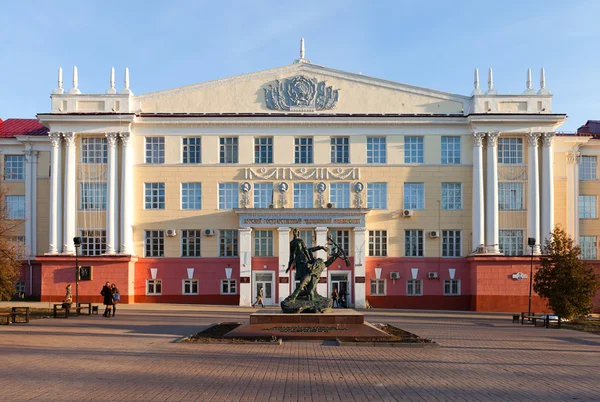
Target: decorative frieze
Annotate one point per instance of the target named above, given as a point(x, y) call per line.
point(303, 173)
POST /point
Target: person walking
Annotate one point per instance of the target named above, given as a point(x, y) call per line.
point(108, 299)
point(259, 298)
point(116, 297)
point(335, 296)
point(68, 301)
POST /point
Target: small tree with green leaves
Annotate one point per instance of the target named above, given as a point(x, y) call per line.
point(568, 283)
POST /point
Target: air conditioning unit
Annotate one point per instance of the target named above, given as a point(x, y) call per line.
point(330, 205)
point(171, 232)
point(434, 234)
point(209, 232)
point(432, 275)
point(271, 206)
point(395, 275)
point(407, 213)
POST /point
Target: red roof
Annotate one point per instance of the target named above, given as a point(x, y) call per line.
point(12, 127)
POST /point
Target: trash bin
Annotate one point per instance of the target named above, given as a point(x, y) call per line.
point(516, 318)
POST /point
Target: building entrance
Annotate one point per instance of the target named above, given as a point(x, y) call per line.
point(340, 282)
point(266, 281)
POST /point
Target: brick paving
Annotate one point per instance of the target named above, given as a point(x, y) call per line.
point(135, 357)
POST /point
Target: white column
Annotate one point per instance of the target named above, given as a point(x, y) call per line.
point(54, 201)
point(360, 246)
point(547, 186)
point(478, 219)
point(126, 193)
point(573, 194)
point(34, 165)
point(284, 257)
point(491, 208)
point(321, 240)
point(28, 203)
point(70, 201)
point(245, 250)
point(533, 192)
point(111, 195)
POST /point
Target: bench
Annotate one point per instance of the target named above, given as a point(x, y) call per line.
point(539, 320)
point(11, 318)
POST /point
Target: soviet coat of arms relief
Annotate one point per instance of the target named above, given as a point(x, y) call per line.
point(300, 94)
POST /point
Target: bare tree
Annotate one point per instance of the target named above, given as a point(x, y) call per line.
point(9, 253)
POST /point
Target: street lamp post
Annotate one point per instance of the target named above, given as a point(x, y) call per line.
point(77, 243)
point(530, 243)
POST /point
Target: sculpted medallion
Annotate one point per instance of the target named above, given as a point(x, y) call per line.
point(300, 93)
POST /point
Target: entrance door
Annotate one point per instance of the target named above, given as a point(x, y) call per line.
point(266, 281)
point(340, 282)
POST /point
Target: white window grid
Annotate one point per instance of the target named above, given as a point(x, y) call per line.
point(192, 150)
point(263, 150)
point(342, 238)
point(340, 150)
point(263, 195)
point(376, 150)
point(20, 247)
point(228, 150)
point(190, 243)
point(510, 197)
point(191, 196)
point(452, 287)
point(228, 195)
point(155, 149)
point(377, 195)
point(450, 150)
point(94, 150)
point(14, 167)
point(589, 247)
point(93, 197)
point(153, 287)
point(587, 168)
point(93, 242)
point(587, 207)
point(452, 196)
point(377, 287)
point(510, 151)
point(413, 243)
point(263, 243)
point(15, 206)
point(308, 237)
point(303, 195)
point(190, 287)
point(451, 243)
point(20, 287)
point(228, 286)
point(228, 243)
point(303, 150)
point(414, 196)
point(154, 243)
point(511, 242)
point(413, 149)
point(377, 243)
point(154, 195)
point(414, 287)
point(339, 194)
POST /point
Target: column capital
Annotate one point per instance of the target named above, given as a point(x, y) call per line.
point(55, 138)
point(533, 139)
point(573, 157)
point(245, 230)
point(69, 138)
point(321, 229)
point(111, 139)
point(31, 155)
point(492, 138)
point(126, 138)
point(478, 139)
point(547, 138)
point(360, 229)
point(283, 229)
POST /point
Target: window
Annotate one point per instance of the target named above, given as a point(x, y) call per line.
point(450, 150)
point(93, 196)
point(19, 245)
point(190, 243)
point(154, 195)
point(192, 150)
point(191, 196)
point(339, 195)
point(263, 195)
point(228, 195)
point(190, 287)
point(94, 150)
point(511, 242)
point(303, 195)
point(340, 150)
point(377, 243)
point(155, 149)
point(155, 243)
point(263, 150)
point(14, 167)
point(20, 287)
point(377, 287)
point(587, 169)
point(451, 243)
point(342, 238)
point(307, 236)
point(93, 242)
point(15, 206)
point(377, 195)
point(452, 196)
point(451, 287)
point(414, 287)
point(588, 246)
point(228, 150)
point(414, 196)
point(510, 150)
point(263, 243)
point(303, 150)
point(228, 286)
point(413, 149)
point(413, 243)
point(587, 207)
point(510, 196)
point(228, 243)
point(376, 150)
point(153, 287)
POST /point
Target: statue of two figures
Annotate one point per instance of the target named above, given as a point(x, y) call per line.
point(305, 298)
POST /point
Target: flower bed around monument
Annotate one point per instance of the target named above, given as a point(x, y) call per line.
point(215, 334)
point(400, 338)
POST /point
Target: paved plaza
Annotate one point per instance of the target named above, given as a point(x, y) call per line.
point(135, 357)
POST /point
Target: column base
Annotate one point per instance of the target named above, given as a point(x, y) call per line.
point(537, 250)
point(52, 250)
point(68, 250)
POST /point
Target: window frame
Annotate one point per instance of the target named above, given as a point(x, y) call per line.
point(264, 244)
point(229, 151)
point(413, 282)
point(303, 150)
point(339, 194)
point(231, 189)
point(512, 234)
point(452, 249)
point(418, 190)
point(15, 169)
point(158, 199)
point(263, 150)
point(377, 283)
point(340, 150)
point(587, 207)
point(375, 154)
point(414, 150)
point(149, 243)
point(376, 199)
point(90, 192)
point(154, 282)
point(418, 241)
point(196, 198)
point(506, 201)
point(451, 201)
point(224, 241)
point(191, 153)
point(506, 147)
point(9, 202)
point(450, 282)
point(154, 155)
point(184, 282)
point(378, 243)
point(258, 193)
point(589, 241)
point(191, 246)
point(588, 171)
point(93, 150)
point(229, 282)
point(97, 243)
point(451, 150)
point(299, 190)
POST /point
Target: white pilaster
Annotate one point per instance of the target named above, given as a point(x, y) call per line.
point(478, 218)
point(360, 246)
point(321, 240)
point(547, 186)
point(491, 208)
point(573, 194)
point(284, 256)
point(533, 192)
point(70, 201)
point(126, 193)
point(245, 250)
point(34, 165)
point(54, 201)
point(28, 203)
point(111, 194)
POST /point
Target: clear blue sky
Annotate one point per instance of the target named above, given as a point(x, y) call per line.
point(433, 44)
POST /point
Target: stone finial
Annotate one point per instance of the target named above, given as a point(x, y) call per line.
point(112, 89)
point(126, 90)
point(543, 90)
point(529, 90)
point(75, 89)
point(476, 90)
point(59, 89)
point(491, 90)
point(302, 53)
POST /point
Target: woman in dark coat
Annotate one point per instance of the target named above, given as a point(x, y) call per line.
point(108, 298)
point(116, 297)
